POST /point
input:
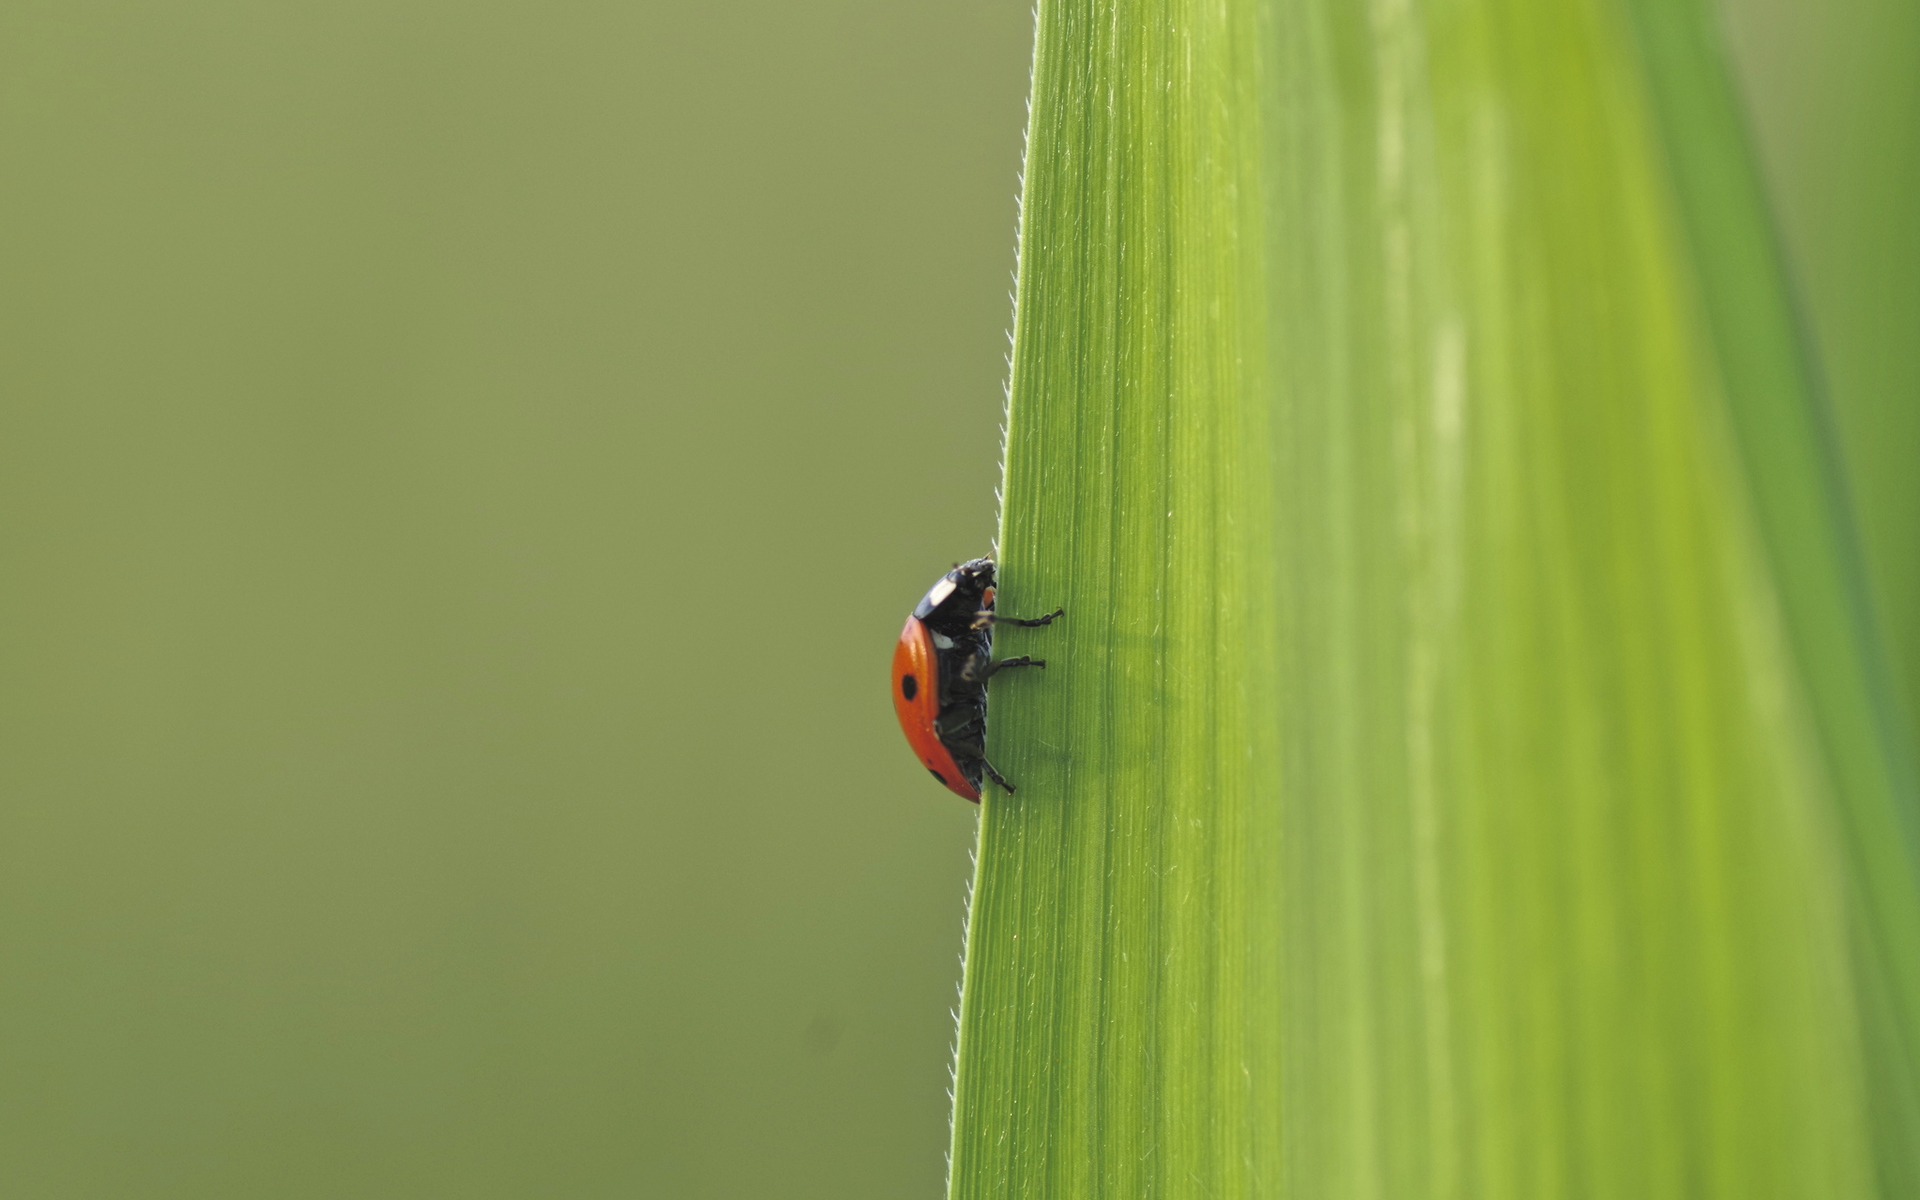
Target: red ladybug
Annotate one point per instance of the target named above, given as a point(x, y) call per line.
point(940, 672)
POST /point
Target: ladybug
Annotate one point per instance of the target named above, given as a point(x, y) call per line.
point(940, 670)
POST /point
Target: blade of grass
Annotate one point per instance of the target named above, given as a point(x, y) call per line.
point(1434, 790)
point(1110, 901)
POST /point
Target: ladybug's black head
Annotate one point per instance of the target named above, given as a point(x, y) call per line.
point(950, 606)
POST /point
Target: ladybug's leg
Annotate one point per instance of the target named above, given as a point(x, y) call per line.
point(996, 776)
point(987, 616)
point(1022, 661)
point(979, 668)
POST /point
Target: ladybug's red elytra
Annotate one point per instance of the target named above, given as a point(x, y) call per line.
point(940, 671)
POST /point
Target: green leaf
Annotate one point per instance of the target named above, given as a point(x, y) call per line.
point(1464, 769)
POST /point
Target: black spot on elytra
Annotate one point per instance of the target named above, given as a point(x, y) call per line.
point(909, 686)
point(938, 775)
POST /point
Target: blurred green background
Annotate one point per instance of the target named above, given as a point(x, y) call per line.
point(464, 467)
point(1832, 88)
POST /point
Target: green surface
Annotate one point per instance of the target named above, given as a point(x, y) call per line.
point(463, 470)
point(1467, 768)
